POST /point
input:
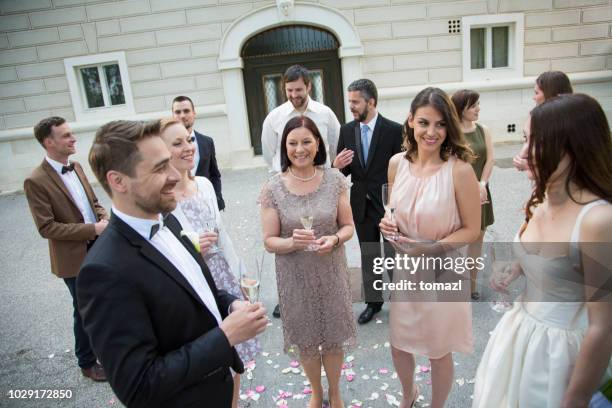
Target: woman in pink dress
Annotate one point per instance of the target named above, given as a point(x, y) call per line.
point(436, 198)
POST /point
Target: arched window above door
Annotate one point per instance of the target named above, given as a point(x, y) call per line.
point(288, 40)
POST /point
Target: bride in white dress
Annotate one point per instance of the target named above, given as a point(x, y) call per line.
point(555, 352)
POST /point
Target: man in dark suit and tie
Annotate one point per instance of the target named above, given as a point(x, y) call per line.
point(205, 157)
point(66, 212)
point(158, 323)
point(375, 140)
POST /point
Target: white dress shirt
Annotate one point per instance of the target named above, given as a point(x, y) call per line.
point(196, 155)
point(174, 251)
point(74, 186)
point(274, 124)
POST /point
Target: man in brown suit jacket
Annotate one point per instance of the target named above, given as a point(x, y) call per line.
point(66, 212)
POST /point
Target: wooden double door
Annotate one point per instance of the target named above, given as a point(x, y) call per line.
point(264, 87)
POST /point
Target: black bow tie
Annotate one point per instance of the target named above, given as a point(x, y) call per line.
point(157, 226)
point(67, 168)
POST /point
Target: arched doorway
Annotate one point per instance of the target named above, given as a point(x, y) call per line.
point(268, 54)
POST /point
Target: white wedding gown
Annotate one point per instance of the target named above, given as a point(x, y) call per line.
point(530, 356)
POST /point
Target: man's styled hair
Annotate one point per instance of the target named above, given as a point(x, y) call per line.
point(115, 147)
point(43, 129)
point(366, 88)
point(183, 98)
point(295, 72)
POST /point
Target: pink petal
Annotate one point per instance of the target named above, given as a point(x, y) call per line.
point(346, 365)
point(428, 382)
point(260, 388)
point(424, 369)
point(383, 371)
point(307, 391)
point(294, 364)
point(350, 377)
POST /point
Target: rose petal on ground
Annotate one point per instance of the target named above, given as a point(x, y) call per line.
point(384, 387)
point(391, 400)
point(460, 381)
point(374, 396)
point(260, 388)
point(51, 355)
point(365, 377)
point(383, 371)
point(349, 359)
point(307, 391)
point(294, 363)
point(378, 321)
point(265, 353)
point(387, 344)
point(350, 377)
point(286, 370)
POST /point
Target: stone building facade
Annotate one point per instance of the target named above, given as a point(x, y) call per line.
point(92, 61)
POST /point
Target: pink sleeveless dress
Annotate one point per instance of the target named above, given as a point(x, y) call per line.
point(426, 209)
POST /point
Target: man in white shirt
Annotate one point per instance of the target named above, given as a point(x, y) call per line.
point(161, 327)
point(66, 212)
point(296, 81)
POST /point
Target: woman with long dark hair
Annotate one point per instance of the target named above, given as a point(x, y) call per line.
point(436, 199)
point(478, 137)
point(547, 85)
point(553, 347)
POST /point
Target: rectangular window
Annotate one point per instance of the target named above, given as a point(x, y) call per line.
point(99, 86)
point(492, 46)
point(102, 85)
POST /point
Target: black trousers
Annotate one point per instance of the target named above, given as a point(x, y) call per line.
point(82, 348)
point(369, 236)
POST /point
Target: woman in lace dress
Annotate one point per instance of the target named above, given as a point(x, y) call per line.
point(197, 211)
point(436, 199)
point(311, 270)
point(552, 349)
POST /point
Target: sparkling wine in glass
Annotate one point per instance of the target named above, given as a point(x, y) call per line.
point(503, 303)
point(387, 188)
point(249, 281)
point(307, 220)
point(210, 225)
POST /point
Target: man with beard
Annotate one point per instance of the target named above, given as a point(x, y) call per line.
point(205, 156)
point(160, 326)
point(67, 213)
point(296, 81)
point(375, 139)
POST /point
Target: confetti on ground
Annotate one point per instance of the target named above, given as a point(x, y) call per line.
point(423, 369)
point(307, 391)
point(260, 388)
point(383, 371)
point(294, 363)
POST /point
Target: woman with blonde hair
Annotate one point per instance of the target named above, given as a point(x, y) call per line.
point(198, 212)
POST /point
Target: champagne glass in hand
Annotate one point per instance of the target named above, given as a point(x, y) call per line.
point(250, 280)
point(210, 225)
point(307, 220)
point(387, 188)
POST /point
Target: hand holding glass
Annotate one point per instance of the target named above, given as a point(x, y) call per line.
point(249, 281)
point(387, 188)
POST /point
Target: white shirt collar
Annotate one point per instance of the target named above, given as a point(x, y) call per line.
point(140, 225)
point(192, 134)
point(371, 123)
point(57, 166)
point(311, 105)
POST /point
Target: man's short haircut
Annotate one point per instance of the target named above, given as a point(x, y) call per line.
point(43, 129)
point(183, 98)
point(366, 88)
point(115, 147)
point(295, 72)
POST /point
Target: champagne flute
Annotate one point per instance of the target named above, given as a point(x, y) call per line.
point(387, 188)
point(250, 280)
point(502, 272)
point(210, 225)
point(307, 220)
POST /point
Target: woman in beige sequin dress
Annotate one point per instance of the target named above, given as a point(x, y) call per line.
point(313, 285)
point(436, 199)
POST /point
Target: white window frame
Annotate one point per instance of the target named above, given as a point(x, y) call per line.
point(79, 101)
point(516, 34)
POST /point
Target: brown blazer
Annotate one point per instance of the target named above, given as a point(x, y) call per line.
point(58, 218)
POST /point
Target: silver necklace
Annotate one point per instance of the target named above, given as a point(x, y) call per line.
point(303, 180)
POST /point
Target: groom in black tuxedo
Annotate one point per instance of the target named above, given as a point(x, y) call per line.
point(156, 320)
point(375, 140)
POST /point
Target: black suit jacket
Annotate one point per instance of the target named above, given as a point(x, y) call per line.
point(368, 178)
point(159, 344)
point(207, 167)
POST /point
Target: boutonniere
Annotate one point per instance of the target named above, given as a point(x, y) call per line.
point(193, 237)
